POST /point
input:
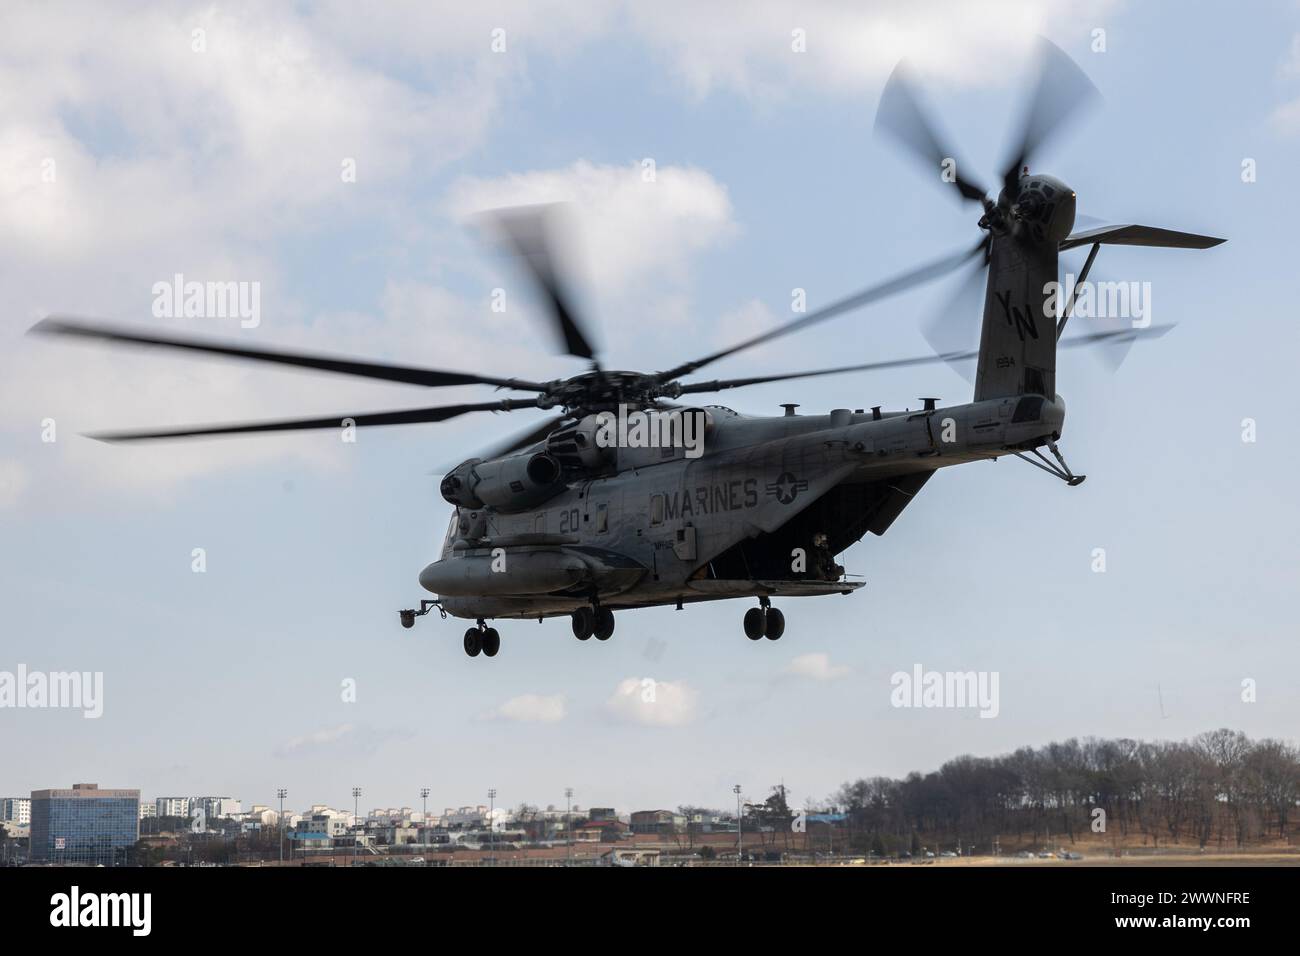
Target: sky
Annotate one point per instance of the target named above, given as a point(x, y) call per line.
point(216, 141)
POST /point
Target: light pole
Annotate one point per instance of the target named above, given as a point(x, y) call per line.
point(740, 826)
point(356, 818)
point(492, 805)
point(424, 795)
point(568, 830)
point(281, 793)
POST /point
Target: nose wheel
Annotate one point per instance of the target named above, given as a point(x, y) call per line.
point(482, 640)
point(764, 621)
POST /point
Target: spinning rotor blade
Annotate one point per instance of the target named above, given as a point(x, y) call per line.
point(410, 416)
point(955, 329)
point(1115, 336)
point(528, 232)
point(523, 439)
point(63, 325)
point(1060, 89)
point(901, 116)
point(898, 284)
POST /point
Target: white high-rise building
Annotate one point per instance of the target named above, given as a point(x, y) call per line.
point(215, 808)
point(172, 807)
point(16, 810)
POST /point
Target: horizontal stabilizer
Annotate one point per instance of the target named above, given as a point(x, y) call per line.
point(1131, 235)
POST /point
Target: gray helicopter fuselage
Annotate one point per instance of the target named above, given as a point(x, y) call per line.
point(761, 511)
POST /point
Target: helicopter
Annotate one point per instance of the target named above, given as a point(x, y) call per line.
point(628, 496)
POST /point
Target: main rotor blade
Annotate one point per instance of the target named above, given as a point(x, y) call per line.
point(1094, 338)
point(901, 115)
point(955, 328)
point(1060, 89)
point(70, 326)
point(893, 286)
point(410, 416)
point(523, 439)
point(528, 231)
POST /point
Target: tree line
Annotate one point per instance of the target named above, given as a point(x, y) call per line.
point(1220, 788)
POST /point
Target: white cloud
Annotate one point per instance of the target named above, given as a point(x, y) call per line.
point(532, 709)
point(620, 230)
point(643, 700)
point(127, 156)
point(340, 740)
point(746, 46)
point(816, 666)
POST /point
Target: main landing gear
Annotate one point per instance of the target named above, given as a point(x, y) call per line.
point(764, 621)
point(593, 621)
point(482, 639)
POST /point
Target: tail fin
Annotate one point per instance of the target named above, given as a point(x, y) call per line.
point(1017, 353)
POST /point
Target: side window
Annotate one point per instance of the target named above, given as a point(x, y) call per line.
point(656, 509)
point(602, 519)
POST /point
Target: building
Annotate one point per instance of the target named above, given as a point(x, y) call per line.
point(630, 857)
point(16, 810)
point(657, 821)
point(464, 818)
point(172, 807)
point(215, 808)
point(84, 824)
point(148, 811)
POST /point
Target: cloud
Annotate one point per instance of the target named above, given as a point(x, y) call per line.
point(747, 47)
point(133, 147)
point(816, 667)
point(620, 229)
point(532, 709)
point(339, 741)
point(643, 700)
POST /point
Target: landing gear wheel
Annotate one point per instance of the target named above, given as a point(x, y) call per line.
point(774, 625)
point(473, 642)
point(584, 623)
point(754, 623)
point(491, 642)
point(604, 624)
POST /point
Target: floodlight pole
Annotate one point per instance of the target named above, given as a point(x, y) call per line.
point(356, 819)
point(281, 793)
point(568, 826)
point(740, 826)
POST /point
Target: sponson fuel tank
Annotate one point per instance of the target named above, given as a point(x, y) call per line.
point(509, 572)
point(527, 571)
